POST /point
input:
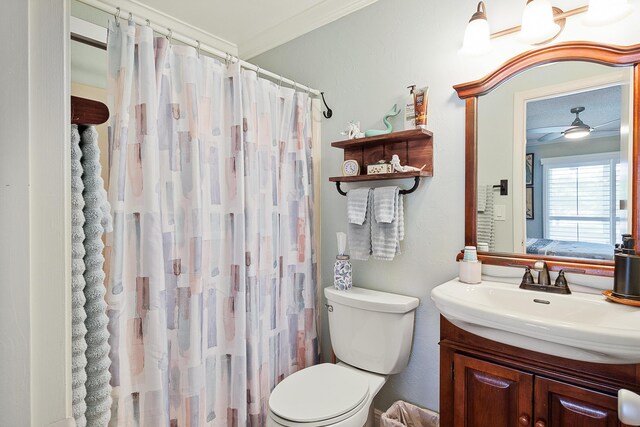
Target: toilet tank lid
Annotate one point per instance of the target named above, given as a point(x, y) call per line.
point(368, 299)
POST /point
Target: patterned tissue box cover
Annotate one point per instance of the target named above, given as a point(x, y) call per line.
point(379, 168)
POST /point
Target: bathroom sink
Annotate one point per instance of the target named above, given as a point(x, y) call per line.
point(579, 326)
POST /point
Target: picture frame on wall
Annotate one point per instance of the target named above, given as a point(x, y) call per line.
point(529, 202)
point(528, 176)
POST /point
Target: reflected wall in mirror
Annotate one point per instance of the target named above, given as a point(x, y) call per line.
point(560, 134)
point(559, 124)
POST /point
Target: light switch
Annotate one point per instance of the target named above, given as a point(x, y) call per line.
point(499, 213)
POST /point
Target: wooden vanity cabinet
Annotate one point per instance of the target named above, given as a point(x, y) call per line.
point(488, 384)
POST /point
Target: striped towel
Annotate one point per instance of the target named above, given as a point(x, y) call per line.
point(486, 228)
point(387, 226)
point(359, 223)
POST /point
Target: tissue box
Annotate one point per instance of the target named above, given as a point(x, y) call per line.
point(379, 168)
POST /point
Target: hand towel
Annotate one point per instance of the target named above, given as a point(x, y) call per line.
point(98, 397)
point(357, 202)
point(78, 314)
point(359, 214)
point(387, 226)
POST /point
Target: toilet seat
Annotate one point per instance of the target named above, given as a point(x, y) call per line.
point(302, 398)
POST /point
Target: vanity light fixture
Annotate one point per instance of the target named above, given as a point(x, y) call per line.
point(477, 34)
point(541, 22)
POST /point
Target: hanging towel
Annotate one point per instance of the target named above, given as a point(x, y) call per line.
point(98, 399)
point(78, 315)
point(387, 226)
point(485, 224)
point(359, 223)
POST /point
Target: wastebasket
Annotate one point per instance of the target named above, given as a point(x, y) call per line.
point(405, 414)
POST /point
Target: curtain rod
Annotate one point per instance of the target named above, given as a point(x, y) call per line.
point(118, 12)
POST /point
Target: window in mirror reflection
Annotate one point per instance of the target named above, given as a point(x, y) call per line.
point(559, 134)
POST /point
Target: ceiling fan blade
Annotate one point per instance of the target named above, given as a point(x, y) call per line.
point(550, 137)
point(549, 129)
point(604, 133)
point(612, 122)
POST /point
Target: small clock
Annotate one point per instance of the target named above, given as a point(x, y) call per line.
point(350, 168)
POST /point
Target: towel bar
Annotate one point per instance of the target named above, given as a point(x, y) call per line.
point(409, 191)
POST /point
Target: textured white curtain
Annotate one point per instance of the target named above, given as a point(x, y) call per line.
point(212, 283)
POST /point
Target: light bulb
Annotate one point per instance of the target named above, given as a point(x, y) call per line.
point(602, 12)
point(477, 35)
point(538, 24)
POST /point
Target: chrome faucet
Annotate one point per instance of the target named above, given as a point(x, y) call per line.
point(544, 281)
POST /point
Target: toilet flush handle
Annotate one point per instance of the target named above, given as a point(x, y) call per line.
point(329, 307)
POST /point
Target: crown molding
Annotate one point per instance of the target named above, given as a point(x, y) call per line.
point(320, 14)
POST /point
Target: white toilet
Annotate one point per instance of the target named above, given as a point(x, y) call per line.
point(371, 333)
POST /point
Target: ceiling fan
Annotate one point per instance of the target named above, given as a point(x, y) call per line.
point(576, 130)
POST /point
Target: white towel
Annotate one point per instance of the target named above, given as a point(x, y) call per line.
point(387, 226)
point(359, 225)
point(485, 223)
point(357, 200)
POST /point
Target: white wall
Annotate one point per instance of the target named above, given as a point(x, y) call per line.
point(35, 309)
point(364, 62)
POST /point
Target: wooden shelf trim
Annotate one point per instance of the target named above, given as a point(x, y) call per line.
point(405, 135)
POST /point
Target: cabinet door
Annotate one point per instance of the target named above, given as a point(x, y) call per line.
point(558, 404)
point(488, 395)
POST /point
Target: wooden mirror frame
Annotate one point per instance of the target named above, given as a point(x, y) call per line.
point(616, 56)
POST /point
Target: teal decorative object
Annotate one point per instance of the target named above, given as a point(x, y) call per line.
point(392, 113)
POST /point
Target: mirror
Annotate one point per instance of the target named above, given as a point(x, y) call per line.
point(558, 125)
point(568, 196)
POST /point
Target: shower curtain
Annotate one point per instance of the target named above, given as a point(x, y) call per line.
point(212, 289)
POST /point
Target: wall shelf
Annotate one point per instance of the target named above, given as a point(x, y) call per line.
point(414, 147)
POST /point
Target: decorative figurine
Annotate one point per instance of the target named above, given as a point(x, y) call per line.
point(392, 113)
point(353, 131)
point(395, 162)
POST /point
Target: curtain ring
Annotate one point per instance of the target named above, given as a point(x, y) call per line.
point(257, 72)
point(280, 82)
point(170, 36)
point(295, 85)
point(117, 16)
point(130, 17)
point(148, 23)
point(198, 48)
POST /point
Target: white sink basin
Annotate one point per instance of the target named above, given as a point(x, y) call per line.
point(578, 326)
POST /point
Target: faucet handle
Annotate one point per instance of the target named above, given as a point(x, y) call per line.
point(527, 279)
point(561, 282)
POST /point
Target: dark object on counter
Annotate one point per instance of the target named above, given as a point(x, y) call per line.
point(626, 282)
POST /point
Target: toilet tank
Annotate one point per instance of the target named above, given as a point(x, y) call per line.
point(371, 330)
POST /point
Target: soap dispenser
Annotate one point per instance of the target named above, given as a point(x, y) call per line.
point(626, 282)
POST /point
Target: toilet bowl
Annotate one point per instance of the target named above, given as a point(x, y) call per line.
point(371, 333)
point(324, 395)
